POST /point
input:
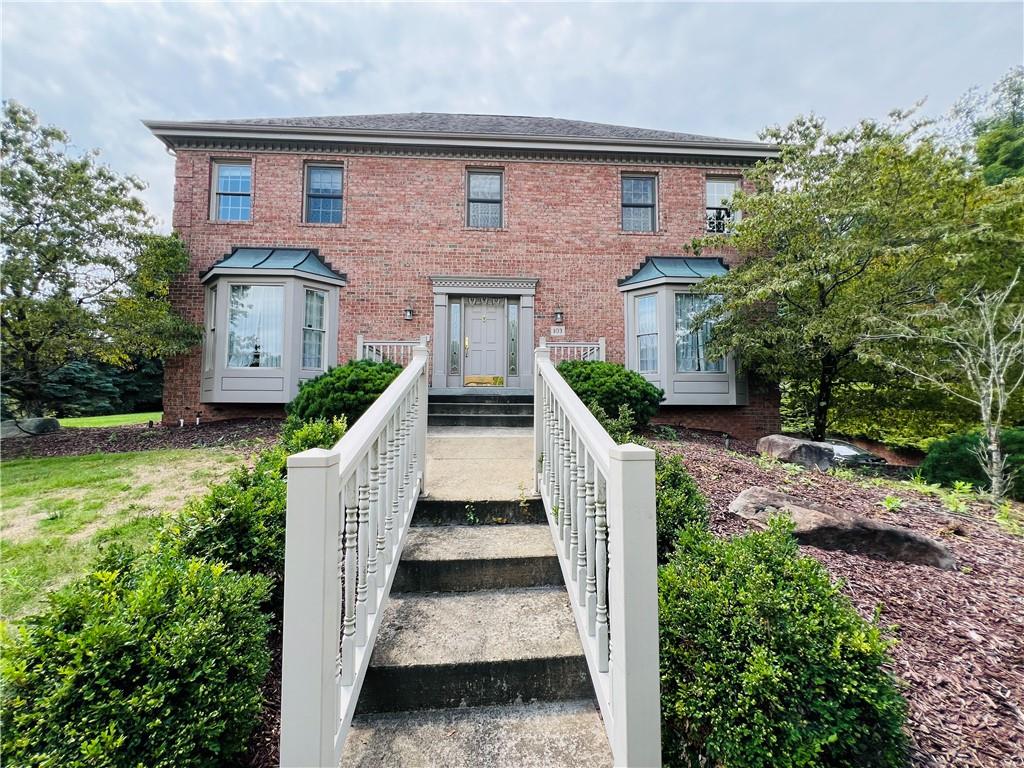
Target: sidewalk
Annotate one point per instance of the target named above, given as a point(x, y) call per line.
point(479, 463)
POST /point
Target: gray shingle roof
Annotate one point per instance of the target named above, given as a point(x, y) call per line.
point(476, 125)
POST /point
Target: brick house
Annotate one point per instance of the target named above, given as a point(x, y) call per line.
point(316, 240)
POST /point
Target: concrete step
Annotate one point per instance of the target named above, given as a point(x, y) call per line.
point(489, 407)
point(430, 511)
point(479, 398)
point(561, 734)
point(479, 420)
point(470, 649)
point(463, 558)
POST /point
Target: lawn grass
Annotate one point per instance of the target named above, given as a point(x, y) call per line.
point(112, 420)
point(59, 512)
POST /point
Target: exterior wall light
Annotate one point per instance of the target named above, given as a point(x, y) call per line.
point(409, 313)
point(559, 316)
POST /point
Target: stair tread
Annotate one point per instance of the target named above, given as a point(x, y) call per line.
point(485, 626)
point(478, 542)
point(559, 734)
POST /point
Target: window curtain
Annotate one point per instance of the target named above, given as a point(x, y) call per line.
point(647, 333)
point(692, 342)
point(313, 330)
point(256, 326)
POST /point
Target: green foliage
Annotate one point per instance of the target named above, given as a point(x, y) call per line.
point(621, 428)
point(155, 662)
point(891, 503)
point(347, 390)
point(612, 386)
point(679, 502)
point(89, 388)
point(83, 276)
point(320, 432)
point(765, 664)
point(956, 459)
point(1000, 149)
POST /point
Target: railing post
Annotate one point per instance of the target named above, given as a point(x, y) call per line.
point(312, 604)
point(359, 346)
point(633, 607)
point(541, 354)
point(600, 348)
point(422, 353)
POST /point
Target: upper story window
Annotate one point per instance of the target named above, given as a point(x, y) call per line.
point(324, 185)
point(232, 199)
point(647, 333)
point(314, 325)
point(483, 199)
point(720, 215)
point(691, 340)
point(255, 326)
point(639, 204)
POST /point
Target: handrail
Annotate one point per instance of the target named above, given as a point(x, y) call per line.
point(396, 350)
point(348, 513)
point(600, 504)
point(575, 350)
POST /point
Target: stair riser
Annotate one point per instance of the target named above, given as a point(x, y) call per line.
point(477, 420)
point(479, 399)
point(458, 512)
point(400, 689)
point(489, 409)
point(470, 575)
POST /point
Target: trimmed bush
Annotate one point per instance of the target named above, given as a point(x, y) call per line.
point(347, 390)
point(954, 459)
point(620, 429)
point(680, 503)
point(317, 433)
point(158, 662)
point(765, 664)
point(611, 386)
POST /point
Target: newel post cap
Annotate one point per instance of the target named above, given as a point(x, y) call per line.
point(631, 452)
point(313, 457)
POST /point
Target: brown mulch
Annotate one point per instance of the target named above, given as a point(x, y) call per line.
point(960, 650)
point(265, 745)
point(79, 441)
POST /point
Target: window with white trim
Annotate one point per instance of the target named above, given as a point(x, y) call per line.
point(647, 333)
point(692, 341)
point(255, 326)
point(720, 215)
point(314, 327)
point(232, 188)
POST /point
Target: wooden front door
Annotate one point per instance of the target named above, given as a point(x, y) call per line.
point(484, 343)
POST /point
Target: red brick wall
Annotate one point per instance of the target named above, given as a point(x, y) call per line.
point(748, 423)
point(405, 220)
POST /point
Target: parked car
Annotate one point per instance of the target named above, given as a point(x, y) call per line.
point(848, 454)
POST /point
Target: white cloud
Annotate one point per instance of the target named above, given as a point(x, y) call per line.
point(720, 69)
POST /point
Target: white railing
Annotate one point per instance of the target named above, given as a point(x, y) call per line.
point(396, 351)
point(349, 509)
point(574, 350)
point(600, 504)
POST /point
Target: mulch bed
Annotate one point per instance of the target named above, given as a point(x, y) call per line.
point(961, 633)
point(79, 441)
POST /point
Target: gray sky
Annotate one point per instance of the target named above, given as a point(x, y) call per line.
point(726, 69)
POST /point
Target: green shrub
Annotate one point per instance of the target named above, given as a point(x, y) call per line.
point(765, 664)
point(679, 502)
point(612, 386)
point(158, 663)
point(320, 432)
point(620, 429)
point(954, 459)
point(347, 390)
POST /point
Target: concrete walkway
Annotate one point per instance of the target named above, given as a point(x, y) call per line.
point(479, 463)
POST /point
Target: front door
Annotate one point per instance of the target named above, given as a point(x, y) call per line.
point(484, 343)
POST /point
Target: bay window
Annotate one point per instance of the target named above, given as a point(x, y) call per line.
point(255, 326)
point(647, 333)
point(691, 340)
point(313, 329)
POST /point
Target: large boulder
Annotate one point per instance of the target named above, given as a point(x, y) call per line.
point(28, 427)
point(820, 525)
point(796, 450)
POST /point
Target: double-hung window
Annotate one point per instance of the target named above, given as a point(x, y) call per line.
point(313, 329)
point(484, 191)
point(255, 326)
point(647, 333)
point(232, 184)
point(691, 339)
point(720, 215)
point(324, 185)
point(639, 204)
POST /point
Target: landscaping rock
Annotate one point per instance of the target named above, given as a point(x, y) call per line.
point(826, 527)
point(28, 427)
point(795, 450)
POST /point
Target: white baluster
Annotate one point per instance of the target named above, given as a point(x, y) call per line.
point(556, 466)
point(568, 491)
point(601, 568)
point(348, 546)
point(392, 499)
point(362, 546)
point(372, 531)
point(578, 504)
point(588, 573)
